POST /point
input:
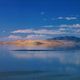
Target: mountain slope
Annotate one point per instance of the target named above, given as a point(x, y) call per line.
point(69, 38)
point(68, 41)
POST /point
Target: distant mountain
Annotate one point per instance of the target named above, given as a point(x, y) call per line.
point(69, 42)
point(58, 43)
point(69, 38)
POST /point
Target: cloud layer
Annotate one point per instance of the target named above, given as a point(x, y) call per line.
point(45, 32)
point(31, 36)
point(38, 31)
point(61, 29)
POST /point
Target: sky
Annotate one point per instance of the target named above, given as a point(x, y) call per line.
point(39, 19)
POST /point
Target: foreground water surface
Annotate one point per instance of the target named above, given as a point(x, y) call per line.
point(38, 65)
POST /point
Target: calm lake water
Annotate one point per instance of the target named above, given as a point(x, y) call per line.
point(38, 65)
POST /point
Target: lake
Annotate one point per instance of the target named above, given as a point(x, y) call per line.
point(38, 65)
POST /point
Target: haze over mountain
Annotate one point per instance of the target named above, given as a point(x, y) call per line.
point(66, 42)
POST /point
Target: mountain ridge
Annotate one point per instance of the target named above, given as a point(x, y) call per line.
point(58, 42)
point(71, 38)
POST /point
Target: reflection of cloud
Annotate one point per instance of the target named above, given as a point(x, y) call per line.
point(38, 54)
point(61, 56)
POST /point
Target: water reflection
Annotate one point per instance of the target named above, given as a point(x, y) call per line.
point(56, 62)
point(68, 57)
point(65, 57)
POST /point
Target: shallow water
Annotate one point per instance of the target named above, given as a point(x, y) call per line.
point(38, 65)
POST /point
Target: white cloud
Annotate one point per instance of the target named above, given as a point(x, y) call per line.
point(78, 31)
point(62, 29)
point(71, 29)
point(48, 26)
point(67, 18)
point(44, 33)
point(39, 31)
point(14, 37)
point(70, 26)
point(50, 32)
point(23, 31)
point(36, 36)
point(70, 18)
point(76, 25)
point(60, 18)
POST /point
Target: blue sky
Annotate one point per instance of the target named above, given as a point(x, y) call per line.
point(38, 19)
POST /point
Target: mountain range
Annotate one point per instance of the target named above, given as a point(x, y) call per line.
point(66, 42)
point(68, 38)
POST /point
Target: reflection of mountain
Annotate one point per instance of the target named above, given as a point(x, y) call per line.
point(67, 42)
